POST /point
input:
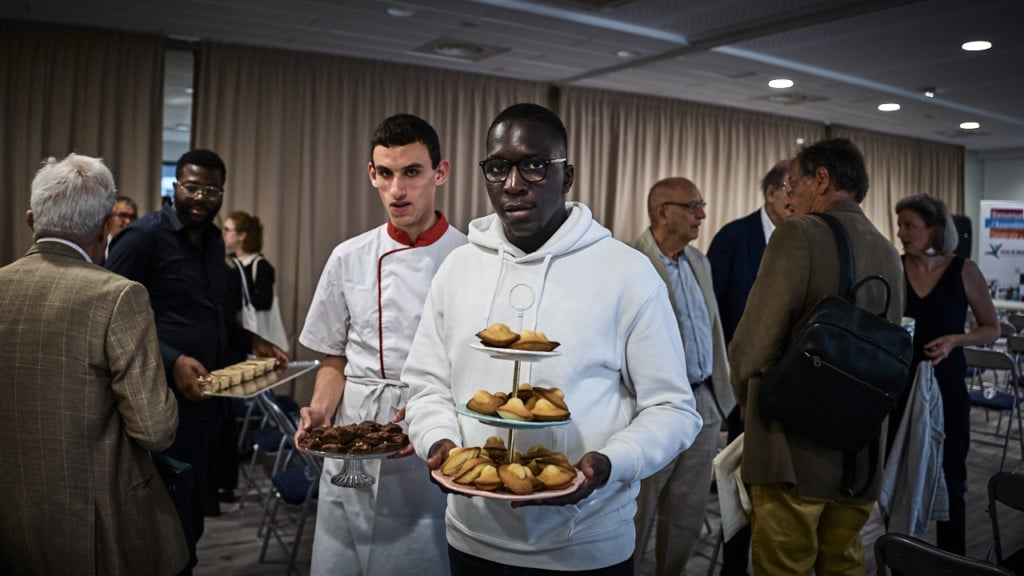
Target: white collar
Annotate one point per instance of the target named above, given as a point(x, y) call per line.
point(766, 224)
point(67, 243)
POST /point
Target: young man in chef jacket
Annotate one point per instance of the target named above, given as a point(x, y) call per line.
point(363, 316)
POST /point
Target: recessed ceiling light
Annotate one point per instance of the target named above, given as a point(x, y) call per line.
point(780, 83)
point(800, 141)
point(969, 125)
point(928, 93)
point(976, 45)
point(626, 54)
point(458, 49)
point(889, 107)
point(400, 12)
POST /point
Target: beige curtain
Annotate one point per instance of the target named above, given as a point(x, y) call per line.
point(66, 90)
point(294, 130)
point(899, 166)
point(623, 143)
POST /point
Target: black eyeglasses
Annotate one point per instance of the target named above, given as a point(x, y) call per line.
point(496, 170)
point(691, 206)
point(194, 190)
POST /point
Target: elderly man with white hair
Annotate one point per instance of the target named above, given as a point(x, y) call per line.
point(85, 401)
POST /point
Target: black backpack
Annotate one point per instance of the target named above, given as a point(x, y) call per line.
point(842, 375)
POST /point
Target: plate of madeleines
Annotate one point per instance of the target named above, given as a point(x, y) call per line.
point(499, 341)
point(485, 472)
point(530, 408)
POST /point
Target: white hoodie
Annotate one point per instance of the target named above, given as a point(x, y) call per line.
point(622, 370)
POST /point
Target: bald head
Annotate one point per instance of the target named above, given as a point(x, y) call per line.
point(668, 190)
point(676, 210)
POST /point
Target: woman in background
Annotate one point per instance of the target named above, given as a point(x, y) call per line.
point(243, 239)
point(940, 287)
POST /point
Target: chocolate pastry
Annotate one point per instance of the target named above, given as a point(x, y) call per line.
point(373, 438)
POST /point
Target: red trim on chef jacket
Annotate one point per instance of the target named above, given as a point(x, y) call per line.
point(426, 239)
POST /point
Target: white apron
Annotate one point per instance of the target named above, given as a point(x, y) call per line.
point(396, 526)
point(407, 509)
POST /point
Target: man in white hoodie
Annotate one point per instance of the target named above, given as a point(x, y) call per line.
point(543, 263)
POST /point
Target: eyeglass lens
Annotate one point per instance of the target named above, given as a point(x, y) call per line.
point(211, 192)
point(530, 169)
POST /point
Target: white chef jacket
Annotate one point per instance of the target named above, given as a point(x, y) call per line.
point(366, 307)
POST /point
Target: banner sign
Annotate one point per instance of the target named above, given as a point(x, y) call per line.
point(1001, 247)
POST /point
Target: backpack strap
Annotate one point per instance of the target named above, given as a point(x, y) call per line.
point(847, 290)
point(846, 268)
point(258, 258)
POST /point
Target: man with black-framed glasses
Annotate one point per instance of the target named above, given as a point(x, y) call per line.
point(678, 493)
point(543, 263)
point(177, 253)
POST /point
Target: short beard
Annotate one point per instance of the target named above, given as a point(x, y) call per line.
point(186, 219)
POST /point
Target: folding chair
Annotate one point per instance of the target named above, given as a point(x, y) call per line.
point(268, 439)
point(296, 487)
point(1005, 395)
point(906, 556)
point(1008, 489)
point(1017, 321)
point(1006, 330)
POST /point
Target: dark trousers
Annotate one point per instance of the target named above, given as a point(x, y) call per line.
point(463, 564)
point(956, 409)
point(224, 468)
point(195, 442)
point(736, 551)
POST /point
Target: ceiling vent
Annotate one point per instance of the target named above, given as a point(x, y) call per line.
point(458, 50)
point(589, 5)
point(790, 98)
point(958, 133)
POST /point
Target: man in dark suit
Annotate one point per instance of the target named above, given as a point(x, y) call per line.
point(736, 249)
point(735, 255)
point(85, 396)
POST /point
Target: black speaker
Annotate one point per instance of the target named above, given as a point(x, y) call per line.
point(963, 230)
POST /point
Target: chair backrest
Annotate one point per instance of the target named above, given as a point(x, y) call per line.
point(1006, 488)
point(1006, 330)
point(1015, 344)
point(1017, 321)
point(991, 359)
point(904, 555)
point(288, 427)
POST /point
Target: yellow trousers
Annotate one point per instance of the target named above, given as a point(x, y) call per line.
point(793, 535)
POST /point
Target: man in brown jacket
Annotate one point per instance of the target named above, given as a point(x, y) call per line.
point(84, 398)
point(801, 520)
